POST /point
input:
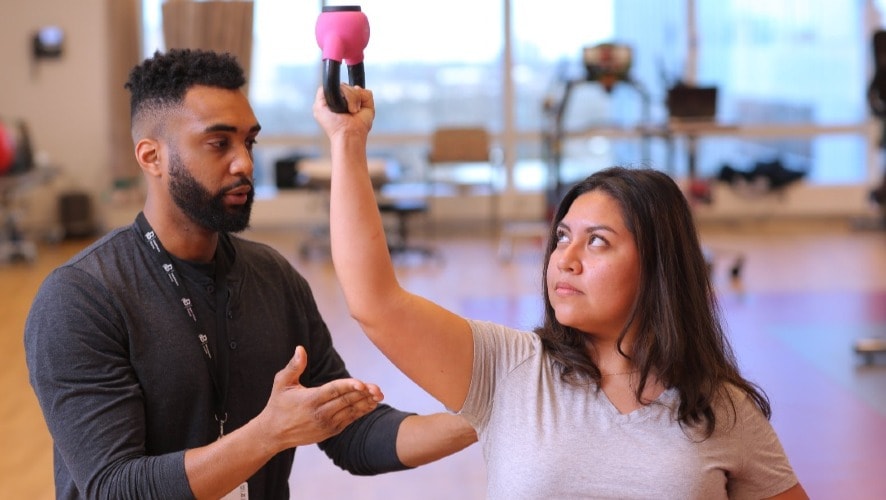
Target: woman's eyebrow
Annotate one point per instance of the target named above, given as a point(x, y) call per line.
point(589, 229)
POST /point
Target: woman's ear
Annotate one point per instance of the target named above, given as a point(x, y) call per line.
point(147, 153)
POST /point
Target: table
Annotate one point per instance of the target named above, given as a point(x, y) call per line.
point(692, 130)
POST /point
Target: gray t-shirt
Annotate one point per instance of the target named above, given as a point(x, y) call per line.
point(544, 438)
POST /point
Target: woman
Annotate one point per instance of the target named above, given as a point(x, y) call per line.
point(628, 389)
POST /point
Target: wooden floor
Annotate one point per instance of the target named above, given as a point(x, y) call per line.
point(806, 293)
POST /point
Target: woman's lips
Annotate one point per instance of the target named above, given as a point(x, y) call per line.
point(561, 288)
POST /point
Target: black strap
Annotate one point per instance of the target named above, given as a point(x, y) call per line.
point(218, 367)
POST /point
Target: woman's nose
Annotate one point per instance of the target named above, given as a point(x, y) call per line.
point(568, 261)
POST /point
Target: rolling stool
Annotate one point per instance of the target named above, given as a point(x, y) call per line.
point(403, 210)
point(869, 347)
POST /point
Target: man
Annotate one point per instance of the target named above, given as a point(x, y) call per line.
point(172, 359)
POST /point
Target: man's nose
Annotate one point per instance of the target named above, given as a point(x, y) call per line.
point(244, 163)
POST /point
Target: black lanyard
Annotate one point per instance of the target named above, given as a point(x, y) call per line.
point(218, 368)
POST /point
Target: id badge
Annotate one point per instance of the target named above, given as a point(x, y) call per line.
point(239, 493)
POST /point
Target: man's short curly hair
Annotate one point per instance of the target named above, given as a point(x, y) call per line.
point(163, 79)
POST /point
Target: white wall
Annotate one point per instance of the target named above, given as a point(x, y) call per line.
point(62, 100)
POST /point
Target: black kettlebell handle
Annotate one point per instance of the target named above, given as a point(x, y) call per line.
point(332, 83)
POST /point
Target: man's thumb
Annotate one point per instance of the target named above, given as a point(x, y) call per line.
point(290, 373)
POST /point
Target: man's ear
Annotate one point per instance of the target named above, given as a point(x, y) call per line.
point(147, 153)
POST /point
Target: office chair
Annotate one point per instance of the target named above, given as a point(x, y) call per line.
point(399, 239)
point(462, 161)
point(403, 201)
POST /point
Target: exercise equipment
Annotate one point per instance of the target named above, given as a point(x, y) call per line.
point(606, 65)
point(7, 150)
point(868, 348)
point(16, 165)
point(342, 33)
point(876, 97)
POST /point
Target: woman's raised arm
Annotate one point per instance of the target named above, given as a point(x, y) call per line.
point(431, 345)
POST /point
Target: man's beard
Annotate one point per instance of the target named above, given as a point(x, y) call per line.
point(203, 207)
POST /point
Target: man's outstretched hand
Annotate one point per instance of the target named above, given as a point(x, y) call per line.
point(297, 415)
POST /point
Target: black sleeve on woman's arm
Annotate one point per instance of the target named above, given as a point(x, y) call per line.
point(368, 446)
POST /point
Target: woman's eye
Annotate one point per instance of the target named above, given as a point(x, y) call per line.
point(596, 241)
point(562, 237)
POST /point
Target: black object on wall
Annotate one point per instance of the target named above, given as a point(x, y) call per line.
point(48, 42)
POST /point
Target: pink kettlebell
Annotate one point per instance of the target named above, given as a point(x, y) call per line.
point(342, 34)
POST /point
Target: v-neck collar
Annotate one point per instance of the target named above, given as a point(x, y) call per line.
point(667, 399)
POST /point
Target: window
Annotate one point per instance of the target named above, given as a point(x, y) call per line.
point(797, 64)
point(432, 63)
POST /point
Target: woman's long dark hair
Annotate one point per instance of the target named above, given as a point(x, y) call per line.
point(679, 332)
